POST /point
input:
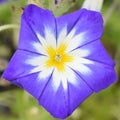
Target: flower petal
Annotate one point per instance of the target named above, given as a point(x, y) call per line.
point(24, 63)
point(55, 102)
point(68, 21)
point(65, 24)
point(101, 77)
point(77, 92)
point(37, 29)
point(93, 51)
point(96, 68)
point(69, 99)
point(97, 75)
point(97, 53)
point(34, 83)
point(82, 27)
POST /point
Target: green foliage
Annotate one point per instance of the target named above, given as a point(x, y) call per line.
point(112, 29)
point(59, 9)
point(5, 13)
point(104, 105)
point(22, 107)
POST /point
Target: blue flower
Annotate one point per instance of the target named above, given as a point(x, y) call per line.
point(60, 61)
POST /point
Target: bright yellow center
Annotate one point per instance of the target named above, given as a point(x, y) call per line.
point(58, 58)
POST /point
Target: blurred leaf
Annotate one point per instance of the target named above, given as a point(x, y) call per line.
point(5, 13)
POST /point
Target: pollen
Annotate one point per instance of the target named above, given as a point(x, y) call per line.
point(58, 58)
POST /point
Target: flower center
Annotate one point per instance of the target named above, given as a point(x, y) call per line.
point(57, 57)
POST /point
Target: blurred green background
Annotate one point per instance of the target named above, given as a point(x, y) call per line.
point(16, 104)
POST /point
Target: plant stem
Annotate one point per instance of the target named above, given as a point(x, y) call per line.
point(9, 26)
point(93, 4)
point(110, 11)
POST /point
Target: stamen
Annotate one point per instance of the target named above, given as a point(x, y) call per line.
point(58, 58)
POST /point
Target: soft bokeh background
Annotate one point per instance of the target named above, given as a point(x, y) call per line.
point(16, 104)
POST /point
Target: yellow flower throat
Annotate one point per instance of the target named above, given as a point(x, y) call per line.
point(58, 58)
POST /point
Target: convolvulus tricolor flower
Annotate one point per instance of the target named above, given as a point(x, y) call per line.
point(60, 61)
